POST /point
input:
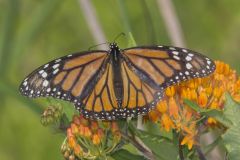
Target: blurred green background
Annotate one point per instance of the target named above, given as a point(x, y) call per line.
point(33, 32)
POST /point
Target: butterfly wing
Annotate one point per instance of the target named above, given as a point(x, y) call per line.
point(86, 79)
point(162, 66)
point(139, 96)
point(152, 69)
point(101, 103)
point(70, 77)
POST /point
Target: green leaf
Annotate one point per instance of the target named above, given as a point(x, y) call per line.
point(126, 155)
point(193, 105)
point(218, 115)
point(163, 148)
point(131, 41)
point(157, 129)
point(231, 137)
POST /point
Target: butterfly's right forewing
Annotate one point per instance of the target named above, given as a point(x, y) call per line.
point(70, 78)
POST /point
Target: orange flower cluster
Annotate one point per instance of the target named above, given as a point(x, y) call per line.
point(90, 139)
point(207, 92)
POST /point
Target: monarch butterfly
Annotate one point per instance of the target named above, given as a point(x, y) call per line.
point(117, 83)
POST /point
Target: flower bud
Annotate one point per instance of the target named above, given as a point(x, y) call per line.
point(96, 139)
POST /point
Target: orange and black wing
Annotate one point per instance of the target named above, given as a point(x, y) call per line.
point(162, 66)
point(139, 96)
point(101, 103)
point(148, 71)
point(71, 78)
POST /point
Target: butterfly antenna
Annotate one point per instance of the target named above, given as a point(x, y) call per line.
point(119, 35)
point(98, 45)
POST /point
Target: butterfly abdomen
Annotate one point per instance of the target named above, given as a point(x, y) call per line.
point(117, 78)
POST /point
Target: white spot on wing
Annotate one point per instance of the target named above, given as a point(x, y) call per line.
point(46, 65)
point(55, 71)
point(175, 52)
point(49, 89)
point(56, 66)
point(45, 83)
point(188, 66)
point(58, 60)
point(44, 74)
point(176, 57)
point(188, 58)
point(25, 83)
point(209, 62)
point(40, 72)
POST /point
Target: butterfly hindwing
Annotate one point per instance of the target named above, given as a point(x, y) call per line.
point(101, 101)
point(138, 96)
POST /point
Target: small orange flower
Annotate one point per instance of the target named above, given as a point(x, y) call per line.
point(153, 115)
point(74, 128)
point(189, 141)
point(69, 132)
point(162, 106)
point(71, 142)
point(170, 91)
point(202, 99)
point(76, 120)
point(211, 121)
point(94, 126)
point(114, 127)
point(78, 150)
point(81, 130)
point(87, 132)
point(96, 139)
point(167, 122)
point(173, 108)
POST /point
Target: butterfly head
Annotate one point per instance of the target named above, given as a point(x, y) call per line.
point(113, 47)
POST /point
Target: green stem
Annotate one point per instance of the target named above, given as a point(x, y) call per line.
point(180, 147)
point(148, 154)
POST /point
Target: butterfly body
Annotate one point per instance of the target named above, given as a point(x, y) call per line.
point(117, 83)
point(117, 79)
